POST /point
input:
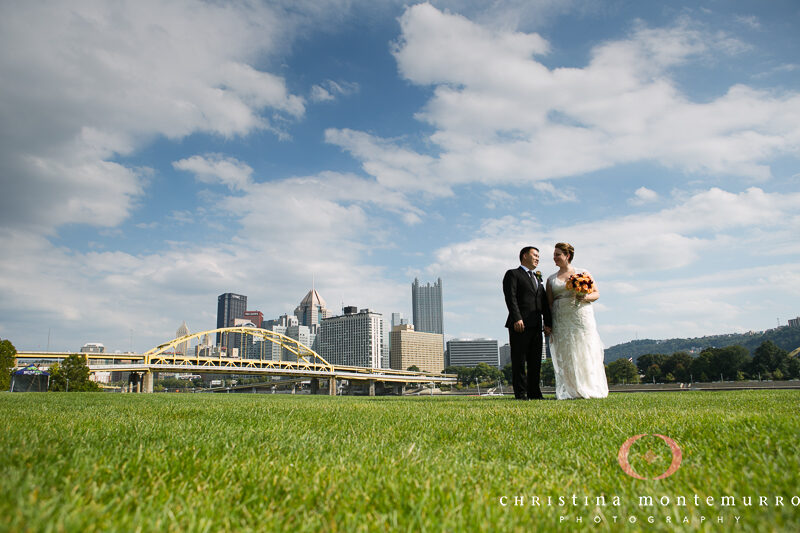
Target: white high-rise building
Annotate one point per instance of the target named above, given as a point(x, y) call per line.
point(353, 339)
point(182, 348)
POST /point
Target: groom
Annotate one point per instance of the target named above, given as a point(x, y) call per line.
point(527, 307)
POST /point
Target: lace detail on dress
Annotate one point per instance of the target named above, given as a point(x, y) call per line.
point(575, 345)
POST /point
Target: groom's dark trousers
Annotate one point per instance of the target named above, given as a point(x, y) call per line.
point(526, 300)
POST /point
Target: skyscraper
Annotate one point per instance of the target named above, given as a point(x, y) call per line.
point(312, 309)
point(182, 348)
point(353, 339)
point(426, 303)
point(230, 306)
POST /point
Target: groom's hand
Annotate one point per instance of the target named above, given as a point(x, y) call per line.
point(547, 330)
point(519, 326)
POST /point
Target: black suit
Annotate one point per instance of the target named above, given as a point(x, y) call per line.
point(526, 301)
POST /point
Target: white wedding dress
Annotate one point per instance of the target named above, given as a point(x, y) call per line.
point(575, 345)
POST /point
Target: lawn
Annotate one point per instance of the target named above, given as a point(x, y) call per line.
point(252, 462)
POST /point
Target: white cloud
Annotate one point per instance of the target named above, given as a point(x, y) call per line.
point(780, 69)
point(497, 197)
point(643, 195)
point(393, 166)
point(647, 265)
point(320, 94)
point(87, 81)
point(751, 21)
point(213, 168)
point(502, 117)
point(330, 201)
point(518, 13)
point(285, 233)
point(181, 217)
point(429, 32)
point(329, 90)
point(560, 193)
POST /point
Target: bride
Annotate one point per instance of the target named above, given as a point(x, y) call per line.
point(574, 342)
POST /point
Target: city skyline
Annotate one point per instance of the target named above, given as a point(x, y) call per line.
point(156, 156)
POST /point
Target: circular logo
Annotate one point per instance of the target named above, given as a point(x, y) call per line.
point(622, 457)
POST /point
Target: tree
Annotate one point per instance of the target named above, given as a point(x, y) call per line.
point(794, 367)
point(767, 359)
point(729, 361)
point(467, 375)
point(413, 368)
point(508, 374)
point(622, 371)
point(649, 359)
point(177, 383)
point(72, 375)
point(677, 365)
point(464, 373)
point(652, 374)
point(485, 373)
point(8, 359)
point(702, 366)
point(548, 373)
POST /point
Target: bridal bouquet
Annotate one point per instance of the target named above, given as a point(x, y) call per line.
point(581, 284)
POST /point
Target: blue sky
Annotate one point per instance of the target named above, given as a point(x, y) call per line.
point(157, 154)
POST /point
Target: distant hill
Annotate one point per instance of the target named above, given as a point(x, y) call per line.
point(785, 337)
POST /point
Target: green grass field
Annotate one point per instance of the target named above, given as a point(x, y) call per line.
point(251, 462)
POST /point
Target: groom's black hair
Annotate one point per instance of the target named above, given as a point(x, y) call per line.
point(525, 251)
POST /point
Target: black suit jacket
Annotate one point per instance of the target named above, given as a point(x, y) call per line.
point(523, 302)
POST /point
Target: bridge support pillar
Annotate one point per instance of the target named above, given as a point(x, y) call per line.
point(314, 385)
point(372, 387)
point(332, 386)
point(148, 382)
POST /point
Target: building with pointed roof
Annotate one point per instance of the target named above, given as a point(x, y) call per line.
point(182, 348)
point(312, 310)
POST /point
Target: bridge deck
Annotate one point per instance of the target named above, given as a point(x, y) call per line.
point(98, 362)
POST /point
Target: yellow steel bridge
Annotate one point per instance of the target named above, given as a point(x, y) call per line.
point(295, 359)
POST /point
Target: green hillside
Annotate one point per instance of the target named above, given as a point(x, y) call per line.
point(785, 337)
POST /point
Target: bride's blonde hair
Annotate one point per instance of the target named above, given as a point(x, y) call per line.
point(567, 249)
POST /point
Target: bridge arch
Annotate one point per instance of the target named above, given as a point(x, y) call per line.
point(300, 350)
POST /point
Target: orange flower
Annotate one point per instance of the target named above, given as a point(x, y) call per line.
point(581, 283)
